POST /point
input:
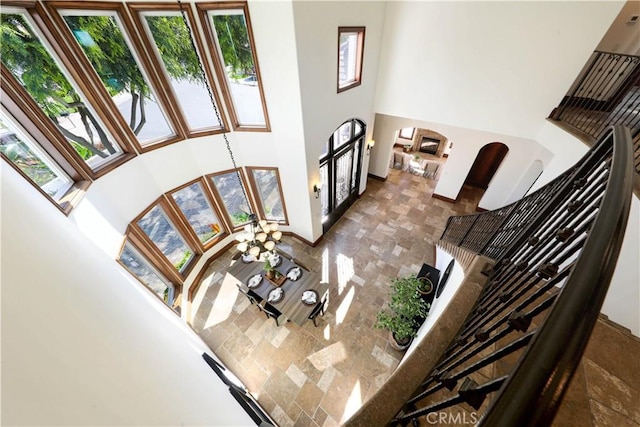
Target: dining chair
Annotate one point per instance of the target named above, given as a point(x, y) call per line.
point(318, 310)
point(235, 258)
point(271, 311)
point(252, 296)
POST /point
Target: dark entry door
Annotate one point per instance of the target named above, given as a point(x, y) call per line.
point(340, 171)
point(486, 164)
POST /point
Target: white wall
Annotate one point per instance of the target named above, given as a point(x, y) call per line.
point(467, 143)
point(494, 66)
point(82, 343)
point(316, 25)
point(622, 36)
point(622, 304)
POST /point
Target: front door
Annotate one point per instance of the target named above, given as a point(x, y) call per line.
point(340, 168)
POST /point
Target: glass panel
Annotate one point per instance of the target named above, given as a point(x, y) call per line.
point(267, 183)
point(236, 51)
point(143, 270)
point(347, 57)
point(324, 193)
point(31, 160)
point(343, 177)
point(30, 62)
point(325, 149)
point(342, 135)
point(357, 128)
point(181, 65)
point(164, 235)
point(233, 197)
point(196, 208)
point(114, 63)
point(354, 169)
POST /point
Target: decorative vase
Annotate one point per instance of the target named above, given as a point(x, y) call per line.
point(269, 274)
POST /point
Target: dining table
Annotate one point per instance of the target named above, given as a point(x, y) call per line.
point(291, 305)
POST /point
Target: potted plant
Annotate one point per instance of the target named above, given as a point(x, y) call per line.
point(425, 287)
point(268, 269)
point(402, 317)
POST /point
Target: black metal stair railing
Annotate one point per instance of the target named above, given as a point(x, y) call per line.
point(516, 352)
point(606, 93)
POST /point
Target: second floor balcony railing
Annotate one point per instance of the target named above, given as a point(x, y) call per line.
point(606, 93)
point(555, 252)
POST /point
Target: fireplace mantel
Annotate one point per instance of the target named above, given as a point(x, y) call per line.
point(427, 133)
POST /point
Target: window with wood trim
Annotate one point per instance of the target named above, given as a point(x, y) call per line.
point(230, 188)
point(171, 49)
point(18, 149)
point(143, 270)
point(266, 186)
point(32, 72)
point(162, 231)
point(195, 203)
point(350, 56)
point(101, 39)
point(227, 25)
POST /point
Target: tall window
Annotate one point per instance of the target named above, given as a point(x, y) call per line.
point(236, 61)
point(266, 185)
point(350, 53)
point(18, 149)
point(230, 191)
point(178, 62)
point(198, 210)
point(28, 58)
point(100, 36)
point(159, 228)
point(146, 273)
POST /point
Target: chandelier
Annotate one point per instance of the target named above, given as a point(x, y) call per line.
point(258, 238)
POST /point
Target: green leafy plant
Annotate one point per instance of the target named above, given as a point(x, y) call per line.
point(240, 217)
point(405, 309)
point(185, 258)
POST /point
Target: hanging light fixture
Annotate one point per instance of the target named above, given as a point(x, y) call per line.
point(259, 236)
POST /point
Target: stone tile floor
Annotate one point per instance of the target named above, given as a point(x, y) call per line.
point(318, 376)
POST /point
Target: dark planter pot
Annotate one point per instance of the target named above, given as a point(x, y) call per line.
point(399, 346)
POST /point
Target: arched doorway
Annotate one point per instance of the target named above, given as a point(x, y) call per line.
point(486, 164)
point(340, 167)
